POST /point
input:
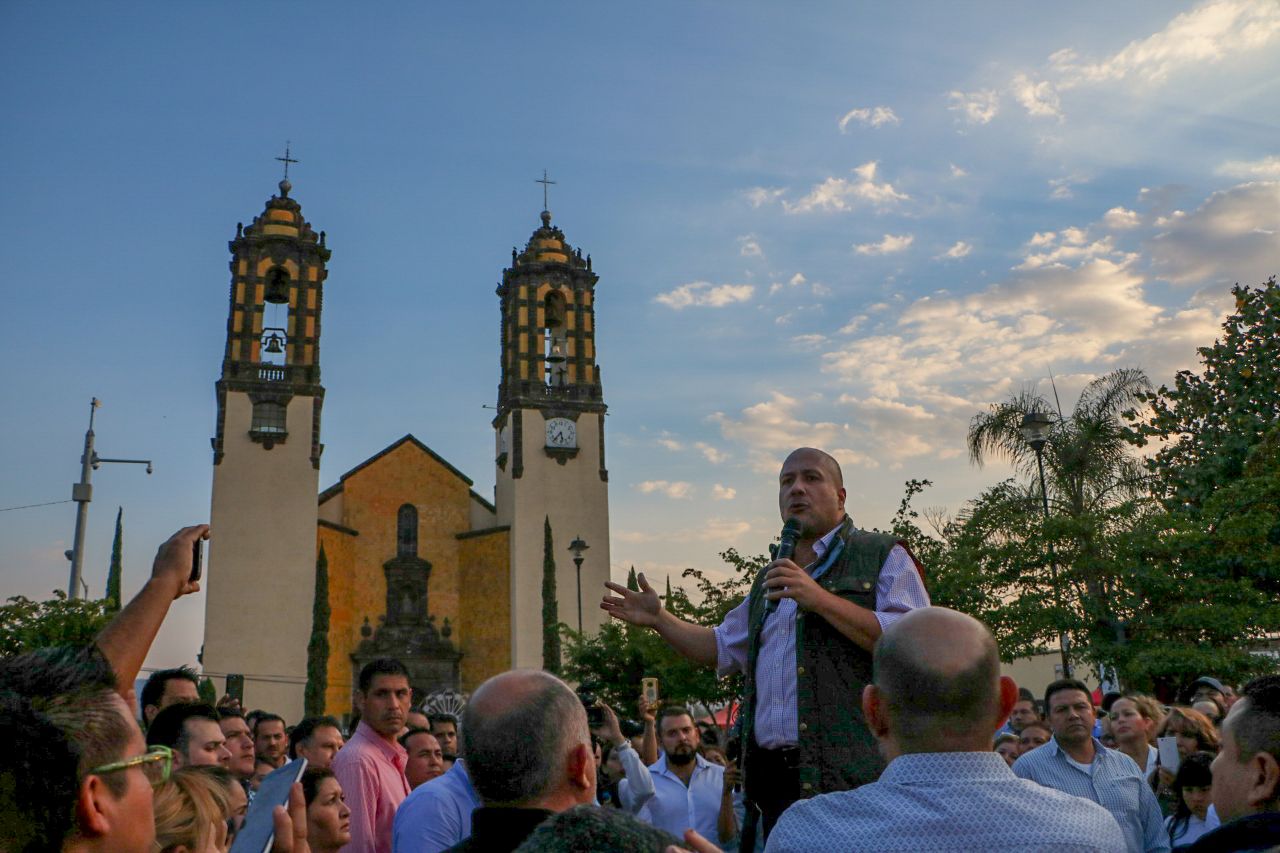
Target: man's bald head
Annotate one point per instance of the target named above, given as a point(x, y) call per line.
point(826, 460)
point(519, 730)
point(936, 673)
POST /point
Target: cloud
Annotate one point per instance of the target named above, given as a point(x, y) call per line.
point(957, 172)
point(705, 294)
point(1233, 236)
point(1268, 168)
point(976, 107)
point(1071, 245)
point(773, 428)
point(723, 493)
point(760, 196)
point(869, 116)
point(1203, 36)
point(669, 443)
point(1060, 188)
point(1038, 99)
point(1120, 218)
point(961, 249)
point(890, 244)
point(749, 247)
point(840, 194)
point(678, 490)
point(712, 454)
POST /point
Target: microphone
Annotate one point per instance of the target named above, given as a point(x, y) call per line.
point(785, 550)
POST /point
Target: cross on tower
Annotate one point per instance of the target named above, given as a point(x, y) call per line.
point(544, 183)
point(286, 159)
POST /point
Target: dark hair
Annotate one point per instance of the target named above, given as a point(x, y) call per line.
point(515, 751)
point(587, 828)
point(442, 717)
point(415, 730)
point(59, 718)
point(1065, 684)
point(306, 727)
point(169, 726)
point(380, 666)
point(1256, 726)
point(153, 690)
point(673, 711)
point(227, 713)
point(265, 717)
point(311, 779)
point(1038, 724)
point(1193, 772)
point(1025, 695)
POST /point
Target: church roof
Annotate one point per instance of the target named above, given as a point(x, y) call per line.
point(547, 245)
point(410, 439)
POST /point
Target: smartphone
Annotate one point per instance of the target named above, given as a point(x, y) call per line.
point(197, 557)
point(1168, 749)
point(649, 688)
point(235, 686)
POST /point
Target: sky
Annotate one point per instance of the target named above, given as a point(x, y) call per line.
point(852, 225)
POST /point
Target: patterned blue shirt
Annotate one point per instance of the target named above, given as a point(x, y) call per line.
point(946, 801)
point(1116, 784)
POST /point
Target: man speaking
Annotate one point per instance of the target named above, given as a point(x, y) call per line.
point(803, 638)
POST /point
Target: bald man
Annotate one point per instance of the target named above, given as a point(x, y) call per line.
point(935, 700)
point(803, 638)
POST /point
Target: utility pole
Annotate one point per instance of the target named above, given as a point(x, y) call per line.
point(82, 494)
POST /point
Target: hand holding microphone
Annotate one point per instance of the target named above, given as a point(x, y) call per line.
point(784, 550)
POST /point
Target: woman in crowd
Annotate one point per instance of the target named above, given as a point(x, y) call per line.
point(1191, 786)
point(328, 818)
point(1135, 719)
point(1032, 736)
point(1007, 746)
point(191, 811)
point(1195, 733)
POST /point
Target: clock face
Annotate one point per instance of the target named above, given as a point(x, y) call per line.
point(562, 432)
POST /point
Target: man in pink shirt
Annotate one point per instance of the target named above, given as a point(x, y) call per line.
point(370, 767)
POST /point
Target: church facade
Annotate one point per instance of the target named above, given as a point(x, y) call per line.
point(420, 566)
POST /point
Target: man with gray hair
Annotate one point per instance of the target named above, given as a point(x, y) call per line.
point(529, 756)
point(935, 700)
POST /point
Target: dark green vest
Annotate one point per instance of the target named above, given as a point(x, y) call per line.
point(837, 752)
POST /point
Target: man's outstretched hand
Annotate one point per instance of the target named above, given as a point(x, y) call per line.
point(639, 608)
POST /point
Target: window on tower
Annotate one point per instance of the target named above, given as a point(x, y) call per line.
point(555, 351)
point(407, 531)
point(269, 418)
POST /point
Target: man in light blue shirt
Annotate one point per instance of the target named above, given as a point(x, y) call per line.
point(935, 699)
point(1075, 762)
point(436, 815)
point(687, 789)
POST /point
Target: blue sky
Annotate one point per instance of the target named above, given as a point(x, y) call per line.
point(852, 225)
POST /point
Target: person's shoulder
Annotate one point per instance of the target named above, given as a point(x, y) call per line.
point(826, 821)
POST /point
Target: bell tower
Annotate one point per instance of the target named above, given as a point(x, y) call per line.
point(550, 435)
point(266, 457)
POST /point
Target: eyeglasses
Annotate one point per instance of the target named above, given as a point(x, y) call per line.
point(156, 762)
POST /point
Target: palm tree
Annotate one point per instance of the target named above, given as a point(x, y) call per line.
point(1088, 470)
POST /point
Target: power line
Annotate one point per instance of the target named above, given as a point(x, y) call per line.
point(29, 506)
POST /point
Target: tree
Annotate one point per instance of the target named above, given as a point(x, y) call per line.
point(113, 573)
point(551, 657)
point(26, 625)
point(318, 646)
point(1209, 421)
point(632, 583)
point(208, 693)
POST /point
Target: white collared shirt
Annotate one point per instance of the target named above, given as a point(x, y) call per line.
point(675, 807)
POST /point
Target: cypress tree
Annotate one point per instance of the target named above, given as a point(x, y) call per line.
point(550, 611)
point(117, 556)
point(632, 583)
point(318, 646)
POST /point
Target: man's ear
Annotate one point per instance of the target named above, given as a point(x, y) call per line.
point(94, 808)
point(149, 712)
point(1008, 698)
point(874, 711)
point(1266, 785)
point(581, 769)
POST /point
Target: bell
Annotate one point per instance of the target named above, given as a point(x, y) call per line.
point(275, 343)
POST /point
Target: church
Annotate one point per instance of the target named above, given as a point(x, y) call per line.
point(419, 566)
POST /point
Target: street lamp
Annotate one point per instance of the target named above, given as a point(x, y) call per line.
point(1035, 430)
point(577, 546)
point(82, 494)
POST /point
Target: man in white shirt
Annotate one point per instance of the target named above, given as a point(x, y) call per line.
point(686, 787)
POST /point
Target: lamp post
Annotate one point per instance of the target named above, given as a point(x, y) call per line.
point(82, 494)
point(1035, 430)
point(577, 546)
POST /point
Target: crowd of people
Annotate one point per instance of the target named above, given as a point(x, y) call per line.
point(871, 721)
